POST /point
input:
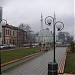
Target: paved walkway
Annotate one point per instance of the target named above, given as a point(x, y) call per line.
point(37, 66)
point(68, 74)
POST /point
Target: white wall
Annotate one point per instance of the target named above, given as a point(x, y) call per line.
point(45, 36)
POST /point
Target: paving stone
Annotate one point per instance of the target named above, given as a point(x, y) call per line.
point(37, 66)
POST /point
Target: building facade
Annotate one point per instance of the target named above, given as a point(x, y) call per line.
point(63, 36)
point(13, 35)
point(21, 37)
point(0, 25)
point(45, 35)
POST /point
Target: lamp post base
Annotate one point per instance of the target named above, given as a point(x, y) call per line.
point(52, 68)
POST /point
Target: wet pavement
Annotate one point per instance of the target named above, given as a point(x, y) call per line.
point(38, 65)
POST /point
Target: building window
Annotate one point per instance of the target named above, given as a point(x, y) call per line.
point(2, 41)
point(2, 32)
point(6, 31)
point(10, 32)
point(13, 42)
point(6, 41)
point(13, 33)
point(10, 41)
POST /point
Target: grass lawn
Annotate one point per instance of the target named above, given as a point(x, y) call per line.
point(14, 54)
point(70, 63)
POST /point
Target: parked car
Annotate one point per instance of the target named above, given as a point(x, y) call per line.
point(36, 44)
point(2, 46)
point(11, 46)
point(7, 46)
point(25, 45)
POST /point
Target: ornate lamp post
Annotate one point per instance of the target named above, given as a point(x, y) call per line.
point(53, 66)
point(3, 23)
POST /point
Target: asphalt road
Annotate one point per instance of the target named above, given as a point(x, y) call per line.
point(37, 66)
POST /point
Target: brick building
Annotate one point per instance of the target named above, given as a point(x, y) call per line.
point(13, 35)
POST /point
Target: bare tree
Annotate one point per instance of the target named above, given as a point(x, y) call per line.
point(27, 28)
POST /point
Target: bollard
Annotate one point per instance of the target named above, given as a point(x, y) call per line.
point(52, 68)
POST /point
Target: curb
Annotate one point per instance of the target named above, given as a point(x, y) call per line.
point(10, 62)
point(19, 61)
point(68, 74)
point(62, 63)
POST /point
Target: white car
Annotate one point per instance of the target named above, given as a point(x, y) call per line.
point(11, 45)
point(2, 46)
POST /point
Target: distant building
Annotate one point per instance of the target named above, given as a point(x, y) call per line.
point(56, 38)
point(45, 35)
point(13, 35)
point(63, 36)
point(0, 25)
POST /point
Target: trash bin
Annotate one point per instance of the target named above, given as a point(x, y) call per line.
point(52, 68)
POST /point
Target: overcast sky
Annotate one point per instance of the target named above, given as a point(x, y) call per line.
point(29, 12)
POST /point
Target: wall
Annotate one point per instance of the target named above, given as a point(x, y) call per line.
point(0, 25)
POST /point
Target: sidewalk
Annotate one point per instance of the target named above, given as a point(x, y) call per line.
point(37, 66)
point(68, 74)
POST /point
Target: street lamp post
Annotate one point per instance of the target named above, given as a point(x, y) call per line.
point(1, 22)
point(53, 66)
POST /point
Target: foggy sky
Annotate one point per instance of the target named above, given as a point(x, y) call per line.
point(29, 12)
